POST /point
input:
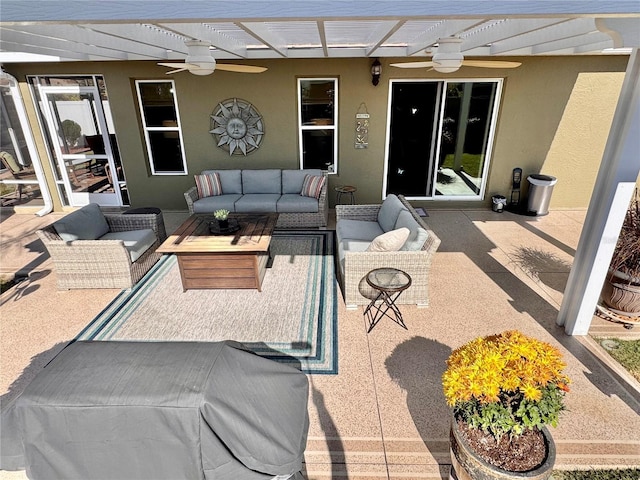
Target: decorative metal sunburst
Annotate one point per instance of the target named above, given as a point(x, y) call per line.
point(237, 126)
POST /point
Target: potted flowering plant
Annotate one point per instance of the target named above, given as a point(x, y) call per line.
point(504, 390)
point(222, 216)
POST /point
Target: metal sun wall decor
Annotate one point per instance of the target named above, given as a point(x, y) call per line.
point(237, 126)
point(362, 127)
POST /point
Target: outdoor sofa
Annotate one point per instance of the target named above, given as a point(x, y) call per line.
point(359, 226)
point(91, 249)
point(298, 196)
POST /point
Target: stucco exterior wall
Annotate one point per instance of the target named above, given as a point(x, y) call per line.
point(554, 118)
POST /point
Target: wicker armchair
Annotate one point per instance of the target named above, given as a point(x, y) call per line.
point(103, 263)
point(356, 265)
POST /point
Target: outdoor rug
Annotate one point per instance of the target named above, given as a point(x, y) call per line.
point(292, 320)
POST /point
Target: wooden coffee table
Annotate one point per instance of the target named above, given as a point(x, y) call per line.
point(237, 260)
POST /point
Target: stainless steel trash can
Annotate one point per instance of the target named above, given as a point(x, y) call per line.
point(540, 190)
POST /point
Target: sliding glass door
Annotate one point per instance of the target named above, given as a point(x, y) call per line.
point(440, 137)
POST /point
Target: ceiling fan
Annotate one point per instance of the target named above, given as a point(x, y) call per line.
point(448, 59)
point(200, 62)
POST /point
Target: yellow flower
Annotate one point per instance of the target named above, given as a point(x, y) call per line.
point(531, 392)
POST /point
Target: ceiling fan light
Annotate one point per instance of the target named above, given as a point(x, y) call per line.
point(201, 71)
point(447, 62)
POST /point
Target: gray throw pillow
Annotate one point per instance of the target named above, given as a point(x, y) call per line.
point(389, 211)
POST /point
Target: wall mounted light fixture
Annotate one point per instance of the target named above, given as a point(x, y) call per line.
point(376, 71)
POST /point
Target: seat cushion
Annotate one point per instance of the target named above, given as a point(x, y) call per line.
point(389, 241)
point(230, 180)
point(208, 185)
point(292, 179)
point(312, 186)
point(211, 204)
point(357, 230)
point(258, 202)
point(296, 203)
point(135, 241)
point(417, 234)
point(389, 211)
point(268, 180)
point(88, 223)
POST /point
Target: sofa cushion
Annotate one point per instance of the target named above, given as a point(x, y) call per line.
point(357, 230)
point(390, 241)
point(389, 211)
point(208, 185)
point(211, 204)
point(257, 202)
point(135, 241)
point(292, 179)
point(350, 246)
point(417, 235)
point(312, 186)
point(262, 181)
point(88, 223)
point(230, 180)
point(296, 203)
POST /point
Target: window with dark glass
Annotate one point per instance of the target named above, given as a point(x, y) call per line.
point(161, 124)
point(318, 120)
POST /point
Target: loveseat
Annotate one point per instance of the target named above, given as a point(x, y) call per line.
point(298, 196)
point(388, 235)
point(90, 249)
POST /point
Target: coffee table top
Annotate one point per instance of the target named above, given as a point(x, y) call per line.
point(193, 236)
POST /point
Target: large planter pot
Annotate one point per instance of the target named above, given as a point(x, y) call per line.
point(621, 294)
point(466, 465)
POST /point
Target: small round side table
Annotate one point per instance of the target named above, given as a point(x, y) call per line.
point(346, 190)
point(389, 283)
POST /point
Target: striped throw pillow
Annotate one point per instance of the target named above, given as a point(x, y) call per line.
point(208, 185)
point(312, 186)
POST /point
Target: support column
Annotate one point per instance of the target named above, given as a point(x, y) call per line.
point(616, 181)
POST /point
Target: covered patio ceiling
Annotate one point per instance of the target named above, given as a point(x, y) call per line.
point(103, 30)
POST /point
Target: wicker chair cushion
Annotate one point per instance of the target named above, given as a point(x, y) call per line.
point(417, 235)
point(390, 241)
point(88, 223)
point(292, 179)
point(296, 203)
point(268, 180)
point(358, 230)
point(389, 211)
point(135, 241)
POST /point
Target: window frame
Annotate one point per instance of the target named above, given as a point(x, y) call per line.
point(147, 129)
point(304, 128)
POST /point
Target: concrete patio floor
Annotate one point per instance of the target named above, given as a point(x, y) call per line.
point(384, 415)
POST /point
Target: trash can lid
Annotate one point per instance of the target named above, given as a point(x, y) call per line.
point(543, 180)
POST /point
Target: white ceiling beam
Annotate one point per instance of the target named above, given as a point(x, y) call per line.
point(28, 39)
point(572, 43)
point(623, 31)
point(323, 37)
point(381, 34)
point(559, 31)
point(446, 28)
point(261, 31)
point(497, 30)
point(63, 55)
point(200, 31)
point(142, 34)
point(82, 35)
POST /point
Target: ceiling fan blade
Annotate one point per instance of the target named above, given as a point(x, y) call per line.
point(490, 64)
point(176, 71)
point(231, 67)
point(172, 65)
point(413, 64)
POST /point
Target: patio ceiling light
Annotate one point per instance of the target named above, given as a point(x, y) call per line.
point(376, 71)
